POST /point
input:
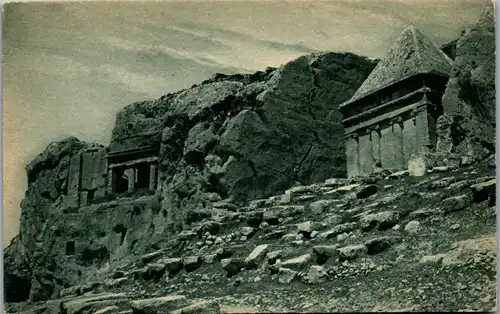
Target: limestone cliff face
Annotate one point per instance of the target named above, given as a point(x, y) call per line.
point(228, 140)
point(28, 259)
point(243, 137)
point(470, 94)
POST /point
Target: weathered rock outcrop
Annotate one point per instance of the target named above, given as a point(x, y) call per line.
point(469, 98)
point(29, 265)
point(243, 137)
point(231, 138)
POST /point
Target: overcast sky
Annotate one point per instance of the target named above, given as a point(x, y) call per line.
point(69, 67)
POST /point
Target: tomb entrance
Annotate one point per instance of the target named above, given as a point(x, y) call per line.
point(132, 170)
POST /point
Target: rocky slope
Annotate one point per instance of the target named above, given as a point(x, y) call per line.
point(213, 238)
point(223, 142)
point(389, 242)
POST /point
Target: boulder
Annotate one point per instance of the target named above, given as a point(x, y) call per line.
point(351, 252)
point(286, 275)
point(232, 265)
point(257, 255)
point(413, 226)
point(191, 263)
point(377, 245)
point(173, 265)
point(483, 191)
point(381, 220)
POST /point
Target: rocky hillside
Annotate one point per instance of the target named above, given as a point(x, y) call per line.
point(252, 211)
point(226, 141)
point(390, 242)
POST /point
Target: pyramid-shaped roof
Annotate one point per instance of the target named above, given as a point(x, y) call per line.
point(413, 53)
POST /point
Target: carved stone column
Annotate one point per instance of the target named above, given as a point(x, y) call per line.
point(375, 139)
point(131, 180)
point(152, 177)
point(111, 181)
point(398, 132)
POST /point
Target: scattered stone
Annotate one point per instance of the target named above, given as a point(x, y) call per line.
point(432, 259)
point(314, 234)
point(297, 262)
point(197, 216)
point(335, 182)
point(483, 191)
point(254, 219)
point(327, 234)
point(306, 228)
point(347, 188)
point(459, 185)
point(456, 203)
point(108, 310)
point(173, 265)
point(422, 213)
point(366, 191)
point(381, 220)
point(201, 307)
point(159, 305)
point(398, 175)
point(320, 206)
point(192, 263)
point(222, 253)
point(273, 256)
point(439, 169)
point(285, 198)
point(93, 303)
point(351, 252)
point(256, 257)
point(454, 227)
point(315, 275)
point(342, 236)
point(247, 231)
point(289, 237)
point(146, 258)
point(155, 270)
point(286, 276)
point(113, 283)
point(413, 226)
point(322, 253)
point(211, 227)
point(396, 227)
point(232, 265)
point(344, 228)
point(332, 220)
point(442, 183)
point(377, 245)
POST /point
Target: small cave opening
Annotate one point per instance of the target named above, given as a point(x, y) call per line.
point(17, 289)
point(96, 255)
point(90, 196)
point(70, 248)
point(122, 230)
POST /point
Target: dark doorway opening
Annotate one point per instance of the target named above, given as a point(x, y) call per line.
point(120, 181)
point(70, 248)
point(142, 176)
